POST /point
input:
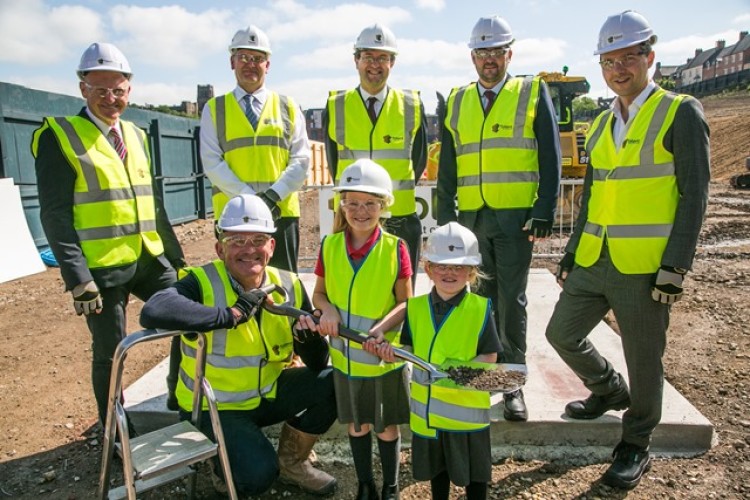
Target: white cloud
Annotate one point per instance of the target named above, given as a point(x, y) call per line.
point(742, 20)
point(34, 33)
point(677, 51)
point(436, 5)
point(162, 93)
point(171, 36)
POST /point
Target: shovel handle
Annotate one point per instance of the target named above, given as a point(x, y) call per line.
point(355, 336)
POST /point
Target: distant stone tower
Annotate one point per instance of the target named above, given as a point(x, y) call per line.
point(205, 92)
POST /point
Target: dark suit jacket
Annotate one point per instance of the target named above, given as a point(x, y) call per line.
point(55, 183)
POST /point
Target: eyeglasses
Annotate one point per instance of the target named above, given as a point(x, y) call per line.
point(250, 240)
point(371, 206)
point(250, 58)
point(444, 268)
point(626, 61)
point(486, 54)
point(103, 92)
point(380, 60)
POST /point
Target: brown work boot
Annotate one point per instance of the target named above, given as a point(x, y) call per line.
point(294, 464)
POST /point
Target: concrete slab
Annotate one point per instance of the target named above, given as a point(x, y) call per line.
point(683, 431)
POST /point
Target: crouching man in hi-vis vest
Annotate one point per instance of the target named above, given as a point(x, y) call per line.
point(644, 197)
point(102, 214)
point(250, 353)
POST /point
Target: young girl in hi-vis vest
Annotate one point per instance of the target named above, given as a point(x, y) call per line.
point(363, 273)
point(450, 427)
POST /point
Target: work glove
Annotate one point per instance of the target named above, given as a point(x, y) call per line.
point(270, 198)
point(564, 267)
point(667, 287)
point(248, 303)
point(538, 228)
point(86, 298)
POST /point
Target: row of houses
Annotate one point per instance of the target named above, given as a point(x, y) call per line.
point(713, 69)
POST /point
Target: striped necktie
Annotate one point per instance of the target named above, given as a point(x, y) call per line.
point(117, 143)
point(490, 96)
point(252, 117)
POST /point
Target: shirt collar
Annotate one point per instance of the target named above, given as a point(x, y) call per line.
point(101, 125)
point(260, 94)
point(361, 252)
point(496, 89)
point(637, 103)
point(453, 301)
point(380, 96)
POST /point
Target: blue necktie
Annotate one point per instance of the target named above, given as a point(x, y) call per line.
point(249, 111)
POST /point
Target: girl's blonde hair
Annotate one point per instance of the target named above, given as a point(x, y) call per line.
point(339, 218)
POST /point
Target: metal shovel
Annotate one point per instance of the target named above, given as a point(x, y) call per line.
point(434, 374)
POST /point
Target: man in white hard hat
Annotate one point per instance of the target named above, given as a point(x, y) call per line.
point(644, 197)
point(251, 363)
point(100, 209)
point(384, 124)
point(254, 141)
point(500, 159)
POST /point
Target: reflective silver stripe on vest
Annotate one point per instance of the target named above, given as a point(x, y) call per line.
point(639, 230)
point(114, 194)
point(228, 397)
point(356, 355)
point(447, 410)
point(593, 229)
point(496, 177)
point(219, 337)
point(523, 103)
point(648, 154)
point(256, 186)
point(345, 153)
point(359, 323)
point(497, 143)
point(226, 145)
point(643, 171)
point(223, 361)
point(287, 283)
point(100, 233)
point(594, 136)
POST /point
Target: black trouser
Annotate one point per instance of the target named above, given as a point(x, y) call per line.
point(409, 229)
point(506, 257)
point(108, 328)
point(304, 399)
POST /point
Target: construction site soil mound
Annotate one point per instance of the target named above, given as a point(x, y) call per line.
point(50, 444)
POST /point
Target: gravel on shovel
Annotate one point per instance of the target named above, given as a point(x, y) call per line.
point(486, 380)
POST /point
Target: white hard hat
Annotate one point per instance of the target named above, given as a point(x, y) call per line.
point(366, 176)
point(103, 57)
point(376, 37)
point(623, 30)
point(453, 244)
point(491, 32)
point(246, 213)
point(252, 38)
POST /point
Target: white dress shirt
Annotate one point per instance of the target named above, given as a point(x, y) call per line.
point(622, 126)
point(218, 171)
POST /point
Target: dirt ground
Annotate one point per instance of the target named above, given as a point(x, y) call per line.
point(49, 441)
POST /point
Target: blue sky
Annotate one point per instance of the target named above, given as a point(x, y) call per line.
point(172, 47)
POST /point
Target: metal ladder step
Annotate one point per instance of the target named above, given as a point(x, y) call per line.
point(172, 447)
point(141, 486)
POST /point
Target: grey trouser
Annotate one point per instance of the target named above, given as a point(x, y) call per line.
point(588, 293)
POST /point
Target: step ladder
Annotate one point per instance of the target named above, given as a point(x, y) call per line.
point(166, 454)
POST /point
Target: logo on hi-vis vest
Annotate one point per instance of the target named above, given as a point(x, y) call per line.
point(634, 142)
point(389, 138)
point(496, 127)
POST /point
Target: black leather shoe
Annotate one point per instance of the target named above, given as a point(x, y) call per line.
point(515, 407)
point(629, 464)
point(367, 491)
point(595, 406)
point(389, 492)
point(172, 404)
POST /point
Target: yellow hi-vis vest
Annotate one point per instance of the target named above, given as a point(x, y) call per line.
point(496, 156)
point(388, 142)
point(242, 363)
point(113, 203)
point(362, 296)
point(433, 407)
point(634, 192)
point(257, 156)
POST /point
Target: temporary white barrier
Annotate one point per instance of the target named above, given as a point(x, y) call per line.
point(18, 255)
